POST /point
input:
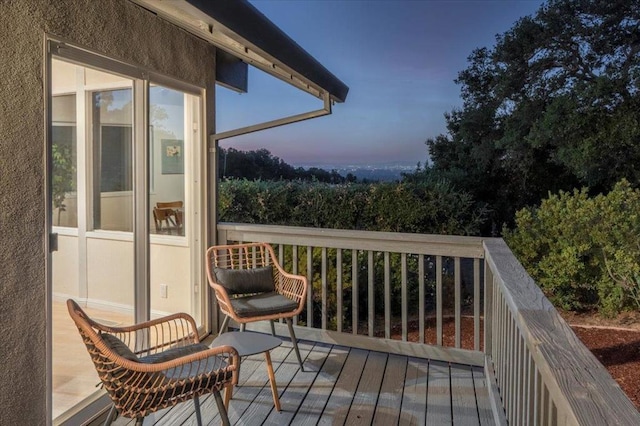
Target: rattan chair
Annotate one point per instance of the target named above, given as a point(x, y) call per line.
point(250, 285)
point(156, 364)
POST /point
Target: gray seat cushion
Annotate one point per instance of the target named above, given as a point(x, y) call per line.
point(173, 353)
point(245, 281)
point(186, 371)
point(262, 304)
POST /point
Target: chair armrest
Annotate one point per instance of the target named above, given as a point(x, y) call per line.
point(170, 330)
point(291, 286)
point(196, 370)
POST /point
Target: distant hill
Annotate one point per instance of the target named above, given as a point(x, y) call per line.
point(375, 173)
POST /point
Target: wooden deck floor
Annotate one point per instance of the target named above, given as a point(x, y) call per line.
point(349, 386)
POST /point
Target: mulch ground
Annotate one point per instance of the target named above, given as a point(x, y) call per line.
point(619, 351)
point(616, 343)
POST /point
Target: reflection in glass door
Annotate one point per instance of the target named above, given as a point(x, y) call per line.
point(173, 196)
point(92, 210)
point(102, 173)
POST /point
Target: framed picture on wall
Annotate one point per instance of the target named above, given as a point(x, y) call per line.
point(172, 156)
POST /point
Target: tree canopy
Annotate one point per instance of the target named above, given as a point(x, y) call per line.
point(552, 106)
point(262, 165)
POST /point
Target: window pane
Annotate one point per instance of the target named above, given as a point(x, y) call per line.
point(112, 160)
point(64, 156)
point(167, 114)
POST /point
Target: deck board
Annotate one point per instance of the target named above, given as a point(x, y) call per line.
point(439, 394)
point(463, 397)
point(337, 407)
point(364, 403)
point(298, 387)
point(414, 399)
point(391, 392)
point(320, 391)
point(342, 385)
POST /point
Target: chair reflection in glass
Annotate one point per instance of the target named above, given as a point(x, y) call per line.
point(168, 217)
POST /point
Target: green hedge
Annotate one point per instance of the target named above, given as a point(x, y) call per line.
point(583, 251)
point(396, 207)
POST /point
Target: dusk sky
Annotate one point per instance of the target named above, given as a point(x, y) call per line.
point(399, 59)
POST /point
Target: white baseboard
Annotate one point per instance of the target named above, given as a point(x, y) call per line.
point(105, 305)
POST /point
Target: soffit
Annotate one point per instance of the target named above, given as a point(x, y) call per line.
point(241, 30)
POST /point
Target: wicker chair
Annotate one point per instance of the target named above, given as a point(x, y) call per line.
point(156, 364)
point(250, 285)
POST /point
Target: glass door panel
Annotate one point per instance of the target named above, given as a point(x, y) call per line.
point(174, 132)
point(91, 145)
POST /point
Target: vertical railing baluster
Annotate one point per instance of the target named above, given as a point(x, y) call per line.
point(324, 288)
point(476, 304)
point(530, 390)
point(439, 300)
point(310, 287)
point(458, 300)
point(519, 378)
point(281, 254)
point(339, 310)
point(370, 293)
point(544, 412)
point(294, 259)
point(421, 298)
point(490, 304)
point(387, 296)
point(405, 297)
point(354, 291)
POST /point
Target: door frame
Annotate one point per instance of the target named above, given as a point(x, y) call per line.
point(56, 48)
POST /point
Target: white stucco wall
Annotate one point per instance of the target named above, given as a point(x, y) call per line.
point(118, 29)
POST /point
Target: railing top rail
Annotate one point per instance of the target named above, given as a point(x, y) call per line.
point(574, 376)
point(444, 245)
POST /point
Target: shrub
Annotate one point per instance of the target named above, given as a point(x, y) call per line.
point(583, 251)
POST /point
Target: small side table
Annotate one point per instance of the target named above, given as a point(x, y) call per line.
point(248, 343)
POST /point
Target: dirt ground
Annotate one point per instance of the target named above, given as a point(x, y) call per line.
point(615, 342)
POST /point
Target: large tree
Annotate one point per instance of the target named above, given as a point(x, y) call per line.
point(553, 105)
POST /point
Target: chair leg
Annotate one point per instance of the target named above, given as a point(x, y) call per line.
point(225, 323)
point(273, 328)
point(111, 416)
point(196, 402)
point(139, 421)
point(243, 326)
point(295, 343)
point(221, 409)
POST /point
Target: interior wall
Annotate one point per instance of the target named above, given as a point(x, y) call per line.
point(118, 29)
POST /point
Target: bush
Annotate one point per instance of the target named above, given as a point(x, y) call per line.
point(433, 208)
point(583, 251)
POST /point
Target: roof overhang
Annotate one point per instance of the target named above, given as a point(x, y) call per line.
point(239, 29)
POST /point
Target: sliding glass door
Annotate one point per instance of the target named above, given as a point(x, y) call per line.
point(125, 179)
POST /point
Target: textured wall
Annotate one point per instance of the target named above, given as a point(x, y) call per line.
point(116, 28)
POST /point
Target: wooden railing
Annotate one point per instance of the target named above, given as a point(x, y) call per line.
point(539, 372)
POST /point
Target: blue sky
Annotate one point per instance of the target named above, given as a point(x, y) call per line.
point(399, 59)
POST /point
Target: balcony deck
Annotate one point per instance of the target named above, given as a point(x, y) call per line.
point(342, 385)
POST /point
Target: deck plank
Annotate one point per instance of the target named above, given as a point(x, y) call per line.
point(337, 407)
point(293, 395)
point(439, 394)
point(485, 415)
point(364, 403)
point(312, 406)
point(391, 392)
point(463, 396)
point(262, 404)
point(244, 395)
point(414, 400)
point(342, 385)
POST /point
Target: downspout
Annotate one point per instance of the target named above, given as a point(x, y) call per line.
point(213, 152)
point(214, 138)
point(213, 169)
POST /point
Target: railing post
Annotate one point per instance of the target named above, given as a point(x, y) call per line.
point(488, 309)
